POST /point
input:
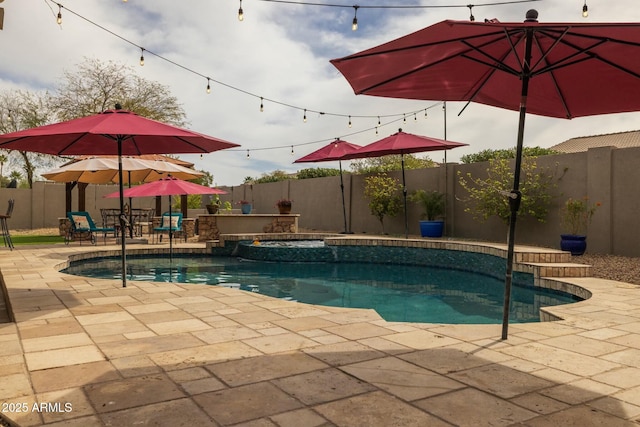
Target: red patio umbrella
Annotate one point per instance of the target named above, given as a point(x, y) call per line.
point(113, 132)
point(335, 150)
point(169, 186)
point(560, 70)
point(403, 143)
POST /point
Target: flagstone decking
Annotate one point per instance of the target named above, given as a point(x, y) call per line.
point(87, 352)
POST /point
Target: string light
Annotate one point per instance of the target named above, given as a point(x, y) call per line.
point(425, 113)
point(585, 10)
point(402, 7)
point(237, 89)
point(471, 17)
point(354, 24)
point(304, 118)
point(415, 117)
point(247, 154)
point(208, 85)
point(404, 118)
point(59, 18)
point(240, 13)
point(292, 150)
point(334, 140)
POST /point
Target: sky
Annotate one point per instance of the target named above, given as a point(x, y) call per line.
point(280, 52)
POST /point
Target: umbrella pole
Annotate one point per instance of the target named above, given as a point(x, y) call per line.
point(130, 208)
point(515, 196)
point(404, 195)
point(344, 207)
point(446, 169)
point(123, 244)
point(170, 232)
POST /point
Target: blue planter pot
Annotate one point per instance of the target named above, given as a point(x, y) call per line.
point(245, 209)
point(431, 228)
point(577, 245)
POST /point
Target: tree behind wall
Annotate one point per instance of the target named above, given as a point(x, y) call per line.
point(96, 86)
point(22, 110)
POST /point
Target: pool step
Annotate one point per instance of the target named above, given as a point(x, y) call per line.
point(566, 269)
point(528, 257)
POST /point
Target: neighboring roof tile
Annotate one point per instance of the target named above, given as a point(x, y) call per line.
point(583, 143)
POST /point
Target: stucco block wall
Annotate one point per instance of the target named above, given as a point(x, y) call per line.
point(606, 175)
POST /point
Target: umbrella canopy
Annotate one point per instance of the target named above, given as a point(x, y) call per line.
point(105, 132)
point(335, 150)
point(102, 170)
point(112, 132)
point(403, 143)
point(575, 70)
point(169, 186)
point(560, 70)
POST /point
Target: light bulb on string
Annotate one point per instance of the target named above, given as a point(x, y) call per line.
point(425, 113)
point(304, 118)
point(349, 121)
point(585, 10)
point(208, 85)
point(354, 24)
point(378, 120)
point(240, 13)
point(261, 105)
point(292, 150)
point(247, 154)
point(376, 130)
point(141, 56)
point(415, 117)
point(471, 17)
point(59, 18)
point(404, 118)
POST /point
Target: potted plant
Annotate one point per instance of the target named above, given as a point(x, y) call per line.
point(432, 203)
point(284, 206)
point(576, 217)
point(245, 206)
point(212, 208)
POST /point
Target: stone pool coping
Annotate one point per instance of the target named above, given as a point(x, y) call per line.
point(170, 352)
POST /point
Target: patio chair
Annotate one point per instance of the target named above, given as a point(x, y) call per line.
point(5, 227)
point(83, 228)
point(170, 223)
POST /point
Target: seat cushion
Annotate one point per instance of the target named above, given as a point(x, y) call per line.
point(81, 222)
point(173, 222)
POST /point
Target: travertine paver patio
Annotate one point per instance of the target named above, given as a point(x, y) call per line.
point(168, 354)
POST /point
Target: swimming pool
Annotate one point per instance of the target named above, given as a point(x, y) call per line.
point(402, 293)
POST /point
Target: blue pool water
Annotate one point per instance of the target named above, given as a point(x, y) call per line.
point(401, 293)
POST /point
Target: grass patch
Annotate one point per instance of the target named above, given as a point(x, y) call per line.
point(36, 240)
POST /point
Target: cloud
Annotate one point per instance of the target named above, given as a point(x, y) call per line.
point(280, 52)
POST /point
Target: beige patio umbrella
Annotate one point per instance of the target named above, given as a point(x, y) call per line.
point(104, 170)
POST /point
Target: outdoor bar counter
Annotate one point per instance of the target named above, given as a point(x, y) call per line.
point(211, 226)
